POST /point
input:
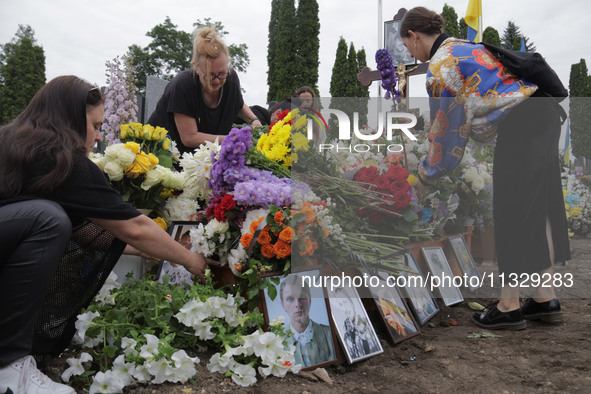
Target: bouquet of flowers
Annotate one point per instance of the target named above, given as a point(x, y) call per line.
point(577, 203)
point(140, 166)
point(397, 193)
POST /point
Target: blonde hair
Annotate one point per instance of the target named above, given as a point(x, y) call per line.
point(207, 45)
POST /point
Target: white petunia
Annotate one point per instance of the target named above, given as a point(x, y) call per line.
point(128, 346)
point(203, 330)
point(106, 382)
point(160, 369)
point(184, 366)
point(84, 321)
point(268, 346)
point(141, 374)
point(150, 349)
point(243, 375)
point(75, 366)
point(123, 370)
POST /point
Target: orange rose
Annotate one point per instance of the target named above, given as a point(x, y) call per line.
point(255, 224)
point(301, 229)
point(309, 250)
point(264, 238)
point(268, 251)
point(325, 231)
point(238, 267)
point(278, 217)
point(286, 234)
point(310, 215)
point(282, 249)
point(246, 240)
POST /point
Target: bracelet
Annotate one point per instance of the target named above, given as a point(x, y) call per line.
point(253, 119)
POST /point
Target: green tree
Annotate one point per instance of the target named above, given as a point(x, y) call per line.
point(338, 79)
point(451, 21)
point(286, 52)
point(580, 115)
point(491, 36)
point(307, 43)
point(170, 52)
point(462, 29)
point(272, 52)
point(22, 72)
point(512, 38)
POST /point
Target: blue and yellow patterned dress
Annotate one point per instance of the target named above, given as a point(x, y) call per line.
point(470, 93)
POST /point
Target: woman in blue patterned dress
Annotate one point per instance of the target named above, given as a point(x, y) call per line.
point(471, 94)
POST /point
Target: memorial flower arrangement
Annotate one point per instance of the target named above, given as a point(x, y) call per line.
point(138, 332)
point(577, 203)
point(140, 166)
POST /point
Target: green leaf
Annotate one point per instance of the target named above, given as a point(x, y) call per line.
point(110, 350)
point(165, 160)
point(409, 215)
point(272, 291)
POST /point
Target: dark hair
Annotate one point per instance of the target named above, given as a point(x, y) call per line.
point(37, 147)
point(422, 20)
point(282, 105)
point(305, 89)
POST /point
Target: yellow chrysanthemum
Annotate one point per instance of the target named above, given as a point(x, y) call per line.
point(300, 122)
point(300, 142)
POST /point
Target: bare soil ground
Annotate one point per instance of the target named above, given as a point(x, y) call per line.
point(544, 358)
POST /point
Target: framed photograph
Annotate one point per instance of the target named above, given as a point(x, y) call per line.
point(442, 275)
point(465, 261)
point(354, 328)
point(177, 273)
point(304, 311)
point(418, 295)
point(393, 43)
point(396, 314)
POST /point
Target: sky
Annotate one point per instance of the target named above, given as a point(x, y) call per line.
point(79, 36)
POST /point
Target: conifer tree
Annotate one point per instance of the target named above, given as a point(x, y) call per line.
point(462, 29)
point(580, 116)
point(272, 51)
point(307, 43)
point(286, 54)
point(22, 73)
point(491, 36)
point(451, 21)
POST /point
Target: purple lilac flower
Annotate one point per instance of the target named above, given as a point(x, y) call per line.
point(386, 68)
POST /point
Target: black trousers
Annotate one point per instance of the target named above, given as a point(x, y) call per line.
point(33, 237)
point(528, 189)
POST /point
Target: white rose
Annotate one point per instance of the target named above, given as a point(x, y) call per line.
point(114, 171)
point(154, 177)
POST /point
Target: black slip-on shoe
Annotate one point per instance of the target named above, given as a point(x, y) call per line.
point(494, 319)
point(548, 311)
